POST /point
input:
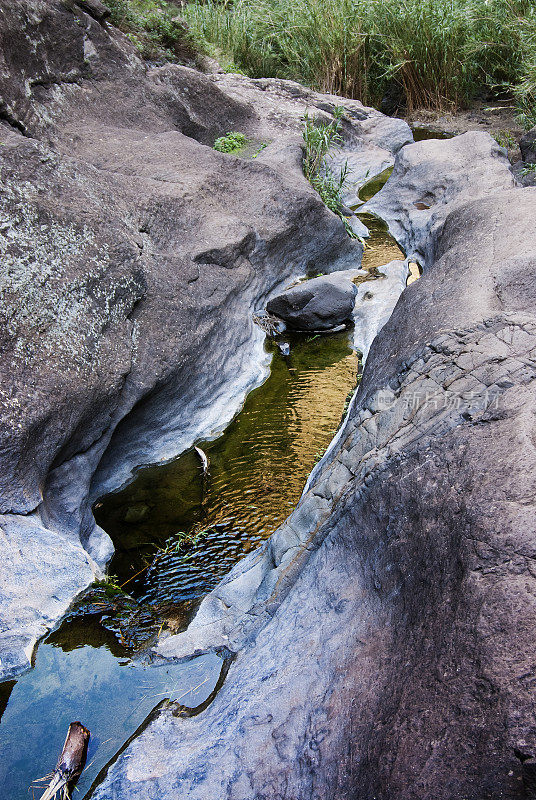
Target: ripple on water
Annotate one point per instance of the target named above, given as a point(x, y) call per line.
point(257, 471)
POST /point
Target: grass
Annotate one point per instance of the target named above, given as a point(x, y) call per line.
point(438, 54)
point(318, 138)
point(529, 169)
point(232, 142)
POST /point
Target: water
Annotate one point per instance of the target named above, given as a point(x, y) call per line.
point(422, 133)
point(81, 673)
point(258, 469)
point(257, 472)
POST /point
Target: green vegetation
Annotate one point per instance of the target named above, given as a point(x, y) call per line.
point(505, 139)
point(232, 142)
point(318, 137)
point(529, 169)
point(155, 29)
point(439, 54)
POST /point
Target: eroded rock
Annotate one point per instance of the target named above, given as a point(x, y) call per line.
point(133, 257)
point(429, 179)
point(385, 633)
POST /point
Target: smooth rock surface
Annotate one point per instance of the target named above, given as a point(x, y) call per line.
point(319, 304)
point(133, 256)
point(429, 179)
point(385, 634)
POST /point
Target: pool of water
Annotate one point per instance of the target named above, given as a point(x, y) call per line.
point(82, 673)
point(422, 133)
point(257, 471)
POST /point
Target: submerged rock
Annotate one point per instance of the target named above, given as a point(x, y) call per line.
point(319, 304)
point(385, 634)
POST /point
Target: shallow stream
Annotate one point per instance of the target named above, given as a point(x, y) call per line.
point(177, 532)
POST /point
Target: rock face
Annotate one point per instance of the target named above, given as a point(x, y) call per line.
point(431, 178)
point(319, 304)
point(385, 634)
point(133, 256)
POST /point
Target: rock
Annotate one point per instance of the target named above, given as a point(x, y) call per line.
point(527, 145)
point(130, 248)
point(375, 302)
point(319, 304)
point(380, 654)
point(429, 179)
point(358, 227)
point(95, 8)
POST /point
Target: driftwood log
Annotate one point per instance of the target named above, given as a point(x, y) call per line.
point(71, 762)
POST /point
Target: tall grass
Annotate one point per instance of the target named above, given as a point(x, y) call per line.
point(525, 89)
point(440, 53)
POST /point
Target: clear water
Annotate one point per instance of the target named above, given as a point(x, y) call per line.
point(257, 471)
point(421, 133)
point(81, 673)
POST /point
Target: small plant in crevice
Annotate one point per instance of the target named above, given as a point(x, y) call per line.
point(528, 169)
point(318, 138)
point(505, 139)
point(110, 584)
point(259, 150)
point(232, 142)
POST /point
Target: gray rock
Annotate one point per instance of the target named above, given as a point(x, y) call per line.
point(95, 8)
point(319, 304)
point(527, 145)
point(130, 249)
point(375, 302)
point(429, 179)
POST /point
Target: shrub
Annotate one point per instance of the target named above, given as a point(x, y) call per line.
point(155, 29)
point(230, 143)
point(318, 138)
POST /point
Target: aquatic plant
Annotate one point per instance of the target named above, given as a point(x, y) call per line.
point(232, 142)
point(318, 138)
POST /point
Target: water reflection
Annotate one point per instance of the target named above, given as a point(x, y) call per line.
point(257, 471)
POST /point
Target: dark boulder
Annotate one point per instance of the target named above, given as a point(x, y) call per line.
point(527, 145)
point(319, 304)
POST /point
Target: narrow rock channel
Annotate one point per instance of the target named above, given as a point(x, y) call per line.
point(258, 468)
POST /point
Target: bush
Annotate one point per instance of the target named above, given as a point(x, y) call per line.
point(153, 26)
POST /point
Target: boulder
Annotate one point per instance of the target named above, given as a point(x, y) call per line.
point(319, 304)
point(527, 145)
point(429, 179)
